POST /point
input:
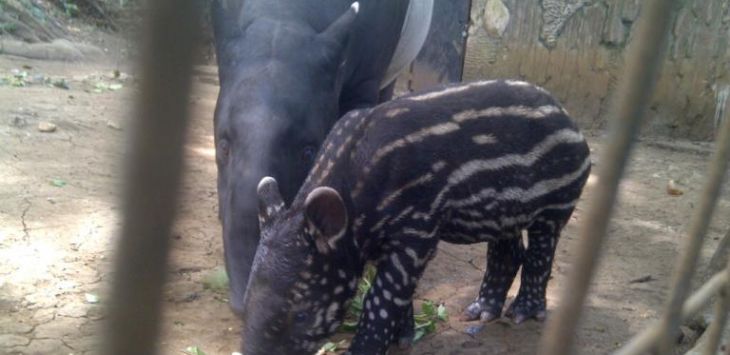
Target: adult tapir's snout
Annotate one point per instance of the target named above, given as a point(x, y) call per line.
point(241, 236)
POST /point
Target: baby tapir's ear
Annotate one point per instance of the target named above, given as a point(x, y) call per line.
point(326, 217)
point(270, 201)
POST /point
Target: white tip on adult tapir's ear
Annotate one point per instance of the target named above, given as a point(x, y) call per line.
point(339, 30)
point(270, 201)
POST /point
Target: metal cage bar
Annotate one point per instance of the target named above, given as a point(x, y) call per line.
point(643, 61)
point(644, 341)
point(693, 244)
point(719, 322)
point(152, 176)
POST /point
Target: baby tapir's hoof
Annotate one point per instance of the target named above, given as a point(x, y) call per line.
point(481, 311)
point(523, 309)
point(406, 334)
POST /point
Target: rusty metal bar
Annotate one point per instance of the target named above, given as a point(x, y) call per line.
point(644, 59)
point(693, 244)
point(152, 175)
point(647, 339)
point(722, 306)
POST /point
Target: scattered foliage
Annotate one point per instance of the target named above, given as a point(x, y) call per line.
point(193, 350)
point(331, 347)
point(425, 321)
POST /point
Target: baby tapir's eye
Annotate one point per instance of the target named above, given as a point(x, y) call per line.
point(308, 153)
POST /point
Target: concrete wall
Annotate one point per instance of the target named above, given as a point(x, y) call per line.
point(575, 49)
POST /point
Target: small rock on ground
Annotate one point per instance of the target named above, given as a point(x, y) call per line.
point(46, 127)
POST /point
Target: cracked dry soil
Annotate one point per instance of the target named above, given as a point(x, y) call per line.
point(59, 214)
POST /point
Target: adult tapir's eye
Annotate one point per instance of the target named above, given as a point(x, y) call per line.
point(223, 148)
point(308, 153)
point(300, 317)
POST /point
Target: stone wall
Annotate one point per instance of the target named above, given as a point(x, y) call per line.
point(575, 49)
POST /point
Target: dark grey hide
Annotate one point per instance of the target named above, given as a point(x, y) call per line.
point(479, 162)
point(288, 70)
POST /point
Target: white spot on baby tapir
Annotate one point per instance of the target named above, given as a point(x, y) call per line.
point(388, 296)
point(339, 289)
point(383, 313)
point(437, 166)
point(332, 312)
point(371, 315)
point(401, 302)
point(484, 139)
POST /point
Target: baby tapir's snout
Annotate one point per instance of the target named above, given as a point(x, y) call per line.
point(469, 163)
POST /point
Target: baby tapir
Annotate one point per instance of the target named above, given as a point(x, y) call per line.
point(470, 163)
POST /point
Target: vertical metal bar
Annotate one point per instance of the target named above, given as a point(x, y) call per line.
point(696, 233)
point(718, 324)
point(643, 62)
point(646, 340)
point(152, 178)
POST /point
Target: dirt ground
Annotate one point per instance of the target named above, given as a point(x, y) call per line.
point(59, 215)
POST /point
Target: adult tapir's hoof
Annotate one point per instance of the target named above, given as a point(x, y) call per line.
point(479, 310)
point(523, 309)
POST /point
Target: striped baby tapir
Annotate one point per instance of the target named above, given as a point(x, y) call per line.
point(470, 163)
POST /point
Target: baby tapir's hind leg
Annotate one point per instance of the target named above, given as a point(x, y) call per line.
point(504, 257)
point(543, 237)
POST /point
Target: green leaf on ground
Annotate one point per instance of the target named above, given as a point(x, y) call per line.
point(216, 280)
point(194, 350)
point(58, 182)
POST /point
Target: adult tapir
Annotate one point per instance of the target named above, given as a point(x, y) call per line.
point(288, 70)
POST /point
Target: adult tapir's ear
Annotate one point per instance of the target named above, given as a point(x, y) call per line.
point(340, 29)
point(270, 201)
point(326, 217)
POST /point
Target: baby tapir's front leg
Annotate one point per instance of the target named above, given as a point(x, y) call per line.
point(383, 321)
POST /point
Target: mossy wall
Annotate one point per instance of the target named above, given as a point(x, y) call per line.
point(576, 48)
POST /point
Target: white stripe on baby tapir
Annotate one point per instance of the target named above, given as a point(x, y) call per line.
point(518, 110)
point(519, 194)
point(395, 194)
point(396, 262)
point(401, 215)
point(472, 167)
point(418, 136)
point(520, 83)
point(332, 312)
point(449, 91)
point(484, 139)
point(474, 224)
point(511, 82)
point(396, 111)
